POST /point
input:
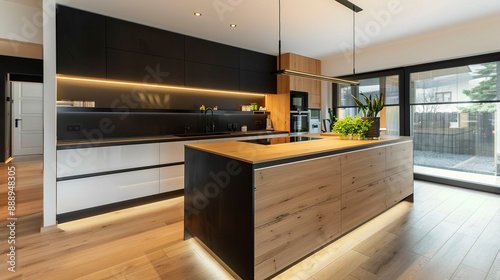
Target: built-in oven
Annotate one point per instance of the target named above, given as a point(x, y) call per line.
point(299, 122)
point(298, 101)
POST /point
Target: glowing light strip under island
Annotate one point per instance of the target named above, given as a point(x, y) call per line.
point(114, 82)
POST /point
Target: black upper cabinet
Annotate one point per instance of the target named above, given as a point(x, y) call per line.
point(81, 43)
point(203, 51)
point(124, 35)
point(130, 66)
point(211, 76)
point(258, 82)
point(257, 62)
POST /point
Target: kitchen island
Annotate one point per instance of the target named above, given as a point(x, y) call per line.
point(260, 208)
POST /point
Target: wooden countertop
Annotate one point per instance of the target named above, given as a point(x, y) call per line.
point(256, 153)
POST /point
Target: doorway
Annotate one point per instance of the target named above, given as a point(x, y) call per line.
point(26, 119)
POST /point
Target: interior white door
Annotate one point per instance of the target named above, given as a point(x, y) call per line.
point(27, 118)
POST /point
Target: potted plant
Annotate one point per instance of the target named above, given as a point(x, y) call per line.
point(350, 128)
point(370, 112)
point(360, 127)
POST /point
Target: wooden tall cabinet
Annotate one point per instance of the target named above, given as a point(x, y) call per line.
point(279, 104)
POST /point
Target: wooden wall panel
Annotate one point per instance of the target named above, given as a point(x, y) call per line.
point(362, 168)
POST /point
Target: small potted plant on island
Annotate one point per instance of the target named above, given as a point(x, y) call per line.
point(370, 112)
point(351, 128)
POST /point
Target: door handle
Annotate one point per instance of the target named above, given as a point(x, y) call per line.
point(17, 122)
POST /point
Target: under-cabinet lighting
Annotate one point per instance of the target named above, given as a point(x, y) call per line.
point(114, 82)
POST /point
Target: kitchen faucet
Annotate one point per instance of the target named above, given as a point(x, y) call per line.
point(211, 127)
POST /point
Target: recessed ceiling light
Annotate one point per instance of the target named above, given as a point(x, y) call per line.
point(197, 14)
point(233, 25)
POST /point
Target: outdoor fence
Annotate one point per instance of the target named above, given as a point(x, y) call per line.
point(455, 133)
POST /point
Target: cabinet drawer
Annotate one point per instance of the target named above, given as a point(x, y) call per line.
point(360, 205)
point(362, 168)
point(398, 157)
point(399, 186)
point(172, 152)
point(94, 160)
point(171, 178)
point(73, 195)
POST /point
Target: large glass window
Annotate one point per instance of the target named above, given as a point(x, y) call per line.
point(388, 86)
point(454, 119)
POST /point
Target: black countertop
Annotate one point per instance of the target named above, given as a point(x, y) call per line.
point(77, 144)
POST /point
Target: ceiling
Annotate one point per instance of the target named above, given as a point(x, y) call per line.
point(313, 28)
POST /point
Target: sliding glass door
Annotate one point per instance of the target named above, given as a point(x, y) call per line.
point(454, 121)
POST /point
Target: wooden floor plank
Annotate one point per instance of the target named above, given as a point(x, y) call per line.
point(376, 242)
point(341, 267)
point(435, 239)
point(447, 259)
point(483, 253)
point(465, 272)
point(383, 260)
point(494, 273)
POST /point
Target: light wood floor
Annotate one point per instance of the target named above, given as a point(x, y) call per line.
point(448, 233)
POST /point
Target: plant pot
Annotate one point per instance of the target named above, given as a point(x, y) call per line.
point(374, 131)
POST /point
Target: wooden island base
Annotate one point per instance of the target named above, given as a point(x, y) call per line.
point(259, 218)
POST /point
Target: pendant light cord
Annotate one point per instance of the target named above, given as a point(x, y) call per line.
point(279, 33)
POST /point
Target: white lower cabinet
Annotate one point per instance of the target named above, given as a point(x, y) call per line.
point(100, 159)
point(171, 178)
point(171, 152)
point(78, 194)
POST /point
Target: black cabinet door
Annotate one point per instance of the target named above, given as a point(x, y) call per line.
point(257, 62)
point(124, 35)
point(80, 43)
point(258, 82)
point(203, 51)
point(211, 77)
point(129, 66)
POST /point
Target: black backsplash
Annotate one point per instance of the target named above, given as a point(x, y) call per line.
point(102, 125)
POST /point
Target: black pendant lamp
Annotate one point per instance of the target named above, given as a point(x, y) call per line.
point(307, 75)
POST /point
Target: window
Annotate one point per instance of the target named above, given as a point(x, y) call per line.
point(386, 85)
point(454, 115)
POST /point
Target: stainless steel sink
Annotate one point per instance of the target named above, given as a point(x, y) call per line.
point(202, 134)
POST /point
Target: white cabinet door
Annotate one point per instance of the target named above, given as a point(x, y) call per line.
point(171, 178)
point(73, 195)
point(172, 152)
point(93, 160)
point(27, 119)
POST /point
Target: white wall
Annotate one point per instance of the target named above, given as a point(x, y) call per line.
point(22, 21)
point(49, 115)
point(21, 28)
point(475, 38)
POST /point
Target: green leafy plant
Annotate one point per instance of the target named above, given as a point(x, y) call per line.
point(361, 126)
point(372, 107)
point(351, 126)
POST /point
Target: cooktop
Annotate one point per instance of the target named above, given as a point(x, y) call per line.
point(281, 140)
